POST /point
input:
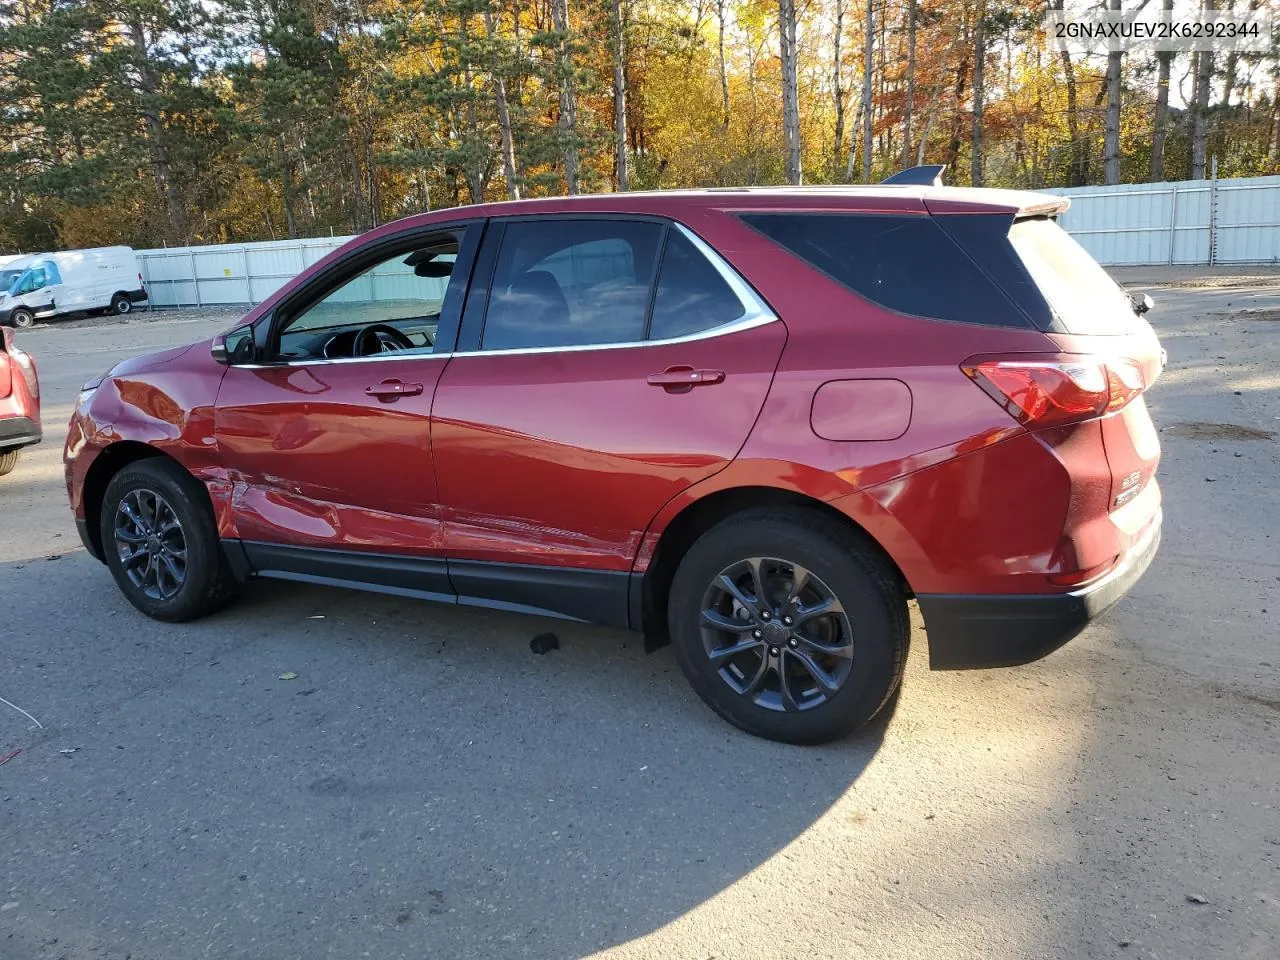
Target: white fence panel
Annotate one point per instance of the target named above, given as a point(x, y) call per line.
point(1189, 222)
point(229, 273)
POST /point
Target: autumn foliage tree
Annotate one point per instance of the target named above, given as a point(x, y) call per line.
point(185, 121)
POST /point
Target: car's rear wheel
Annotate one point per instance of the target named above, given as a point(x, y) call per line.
point(8, 461)
point(22, 317)
point(788, 626)
point(121, 304)
point(161, 542)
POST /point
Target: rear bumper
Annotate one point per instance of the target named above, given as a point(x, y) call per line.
point(18, 432)
point(974, 631)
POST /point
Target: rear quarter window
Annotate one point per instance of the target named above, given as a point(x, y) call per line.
point(1082, 294)
point(908, 264)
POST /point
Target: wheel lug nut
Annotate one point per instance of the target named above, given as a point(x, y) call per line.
point(793, 643)
point(774, 651)
point(757, 634)
point(764, 615)
point(787, 621)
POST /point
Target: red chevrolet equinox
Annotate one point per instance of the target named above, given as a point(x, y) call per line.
point(752, 423)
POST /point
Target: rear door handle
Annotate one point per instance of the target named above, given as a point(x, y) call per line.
point(393, 389)
point(681, 379)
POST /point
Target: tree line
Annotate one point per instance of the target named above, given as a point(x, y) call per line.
point(194, 121)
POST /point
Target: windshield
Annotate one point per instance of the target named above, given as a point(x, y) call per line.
point(1082, 294)
point(7, 278)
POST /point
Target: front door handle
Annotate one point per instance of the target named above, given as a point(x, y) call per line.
point(393, 390)
point(682, 379)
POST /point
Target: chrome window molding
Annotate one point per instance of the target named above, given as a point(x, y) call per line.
point(374, 358)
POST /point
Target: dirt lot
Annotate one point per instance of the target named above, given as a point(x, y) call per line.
point(427, 787)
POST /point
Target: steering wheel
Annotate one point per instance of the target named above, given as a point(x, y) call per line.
point(379, 338)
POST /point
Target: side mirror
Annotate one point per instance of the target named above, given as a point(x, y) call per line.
point(1141, 304)
point(233, 347)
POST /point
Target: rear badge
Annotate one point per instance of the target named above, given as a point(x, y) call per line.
point(1129, 488)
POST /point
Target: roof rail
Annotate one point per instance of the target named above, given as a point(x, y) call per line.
point(928, 175)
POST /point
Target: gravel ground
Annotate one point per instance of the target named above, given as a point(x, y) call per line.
point(427, 787)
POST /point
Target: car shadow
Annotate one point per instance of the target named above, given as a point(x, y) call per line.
point(346, 773)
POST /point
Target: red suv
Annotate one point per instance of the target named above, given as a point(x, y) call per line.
point(19, 401)
point(751, 422)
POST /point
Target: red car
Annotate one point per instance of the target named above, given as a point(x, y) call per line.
point(751, 422)
point(19, 401)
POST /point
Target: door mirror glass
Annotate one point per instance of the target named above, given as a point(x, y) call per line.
point(1141, 303)
point(234, 347)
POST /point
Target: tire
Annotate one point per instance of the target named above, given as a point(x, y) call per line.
point(22, 317)
point(121, 304)
point(8, 460)
point(184, 574)
point(860, 649)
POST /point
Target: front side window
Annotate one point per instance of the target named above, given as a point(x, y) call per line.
point(393, 306)
point(561, 283)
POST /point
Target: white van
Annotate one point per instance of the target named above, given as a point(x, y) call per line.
point(105, 279)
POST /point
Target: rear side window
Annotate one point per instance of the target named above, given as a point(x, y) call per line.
point(692, 295)
point(1082, 294)
point(905, 263)
point(571, 283)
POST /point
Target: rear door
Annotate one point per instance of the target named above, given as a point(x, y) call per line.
point(605, 365)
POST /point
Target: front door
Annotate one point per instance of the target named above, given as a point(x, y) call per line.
point(326, 438)
point(583, 399)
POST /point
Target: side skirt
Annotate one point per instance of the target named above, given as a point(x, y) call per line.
point(592, 596)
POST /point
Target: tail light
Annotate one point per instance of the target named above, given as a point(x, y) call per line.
point(27, 367)
point(1061, 390)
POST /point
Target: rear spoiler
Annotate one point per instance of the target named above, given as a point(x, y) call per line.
point(927, 175)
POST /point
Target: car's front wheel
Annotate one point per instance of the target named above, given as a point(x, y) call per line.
point(22, 317)
point(788, 625)
point(161, 542)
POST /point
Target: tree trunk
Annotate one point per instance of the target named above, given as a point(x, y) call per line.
point(852, 162)
point(619, 25)
point(156, 138)
point(957, 115)
point(1200, 107)
point(909, 108)
point(286, 187)
point(724, 69)
point(568, 123)
point(1161, 129)
point(979, 91)
point(1079, 152)
point(504, 115)
point(837, 87)
point(371, 173)
point(1111, 125)
point(357, 193)
point(1273, 148)
point(790, 91)
point(1229, 77)
point(868, 66)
